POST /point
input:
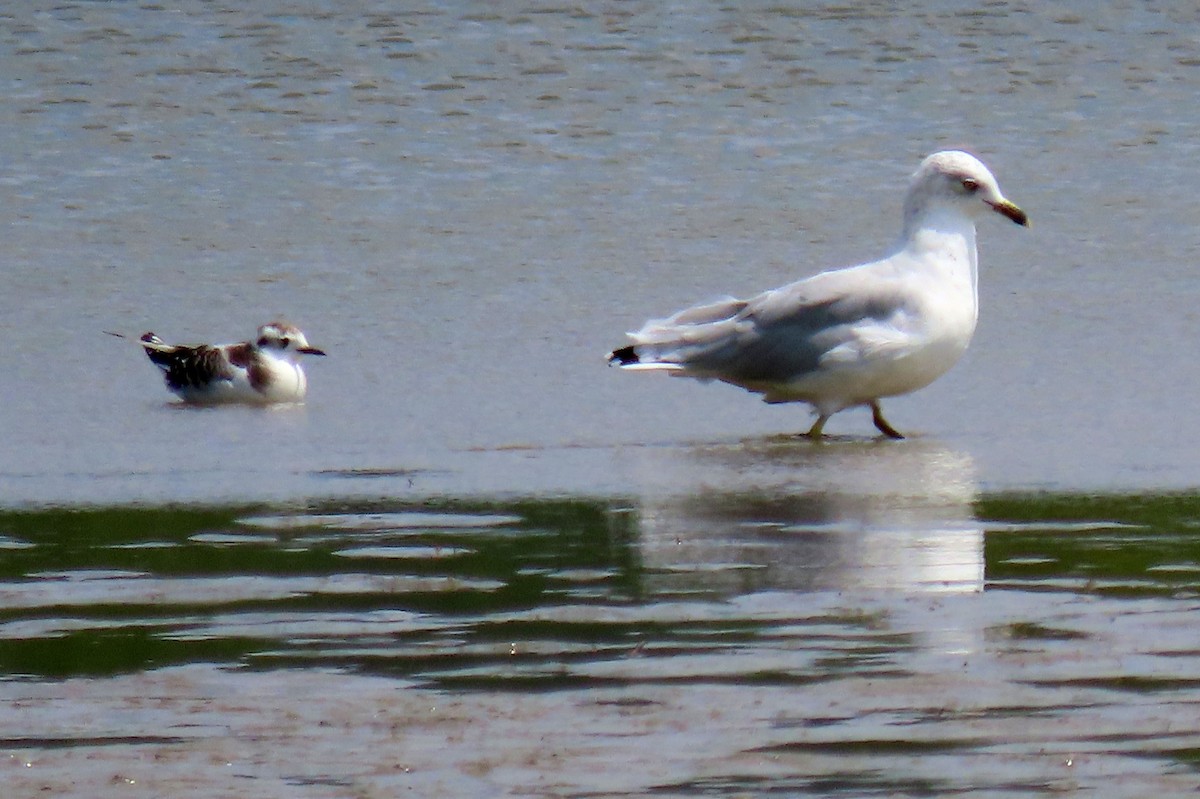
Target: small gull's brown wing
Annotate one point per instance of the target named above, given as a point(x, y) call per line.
point(193, 366)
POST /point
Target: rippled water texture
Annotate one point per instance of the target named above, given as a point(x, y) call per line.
point(723, 645)
point(467, 204)
point(479, 563)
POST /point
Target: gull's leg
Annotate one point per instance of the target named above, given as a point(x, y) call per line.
point(881, 423)
point(814, 432)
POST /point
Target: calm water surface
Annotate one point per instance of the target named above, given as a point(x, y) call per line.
point(476, 562)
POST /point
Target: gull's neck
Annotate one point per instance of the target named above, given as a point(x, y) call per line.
point(945, 239)
point(282, 376)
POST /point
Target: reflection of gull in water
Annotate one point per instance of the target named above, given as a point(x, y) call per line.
point(773, 514)
point(868, 526)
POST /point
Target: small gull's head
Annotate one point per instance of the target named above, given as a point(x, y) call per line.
point(285, 340)
point(952, 179)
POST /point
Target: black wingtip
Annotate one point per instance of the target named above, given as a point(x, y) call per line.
point(151, 344)
point(623, 357)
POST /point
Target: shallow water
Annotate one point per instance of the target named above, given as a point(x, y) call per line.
point(477, 562)
point(466, 206)
point(725, 646)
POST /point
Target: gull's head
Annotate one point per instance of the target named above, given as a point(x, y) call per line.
point(958, 181)
point(284, 340)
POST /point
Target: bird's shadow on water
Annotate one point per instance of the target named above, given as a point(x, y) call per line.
point(177, 405)
point(832, 439)
point(798, 439)
point(835, 455)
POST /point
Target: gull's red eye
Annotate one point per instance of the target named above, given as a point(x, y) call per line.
point(970, 184)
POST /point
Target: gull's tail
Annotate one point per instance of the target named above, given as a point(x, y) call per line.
point(157, 349)
point(681, 343)
point(638, 357)
point(625, 356)
point(160, 353)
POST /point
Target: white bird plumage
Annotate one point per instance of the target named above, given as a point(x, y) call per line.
point(260, 372)
point(848, 337)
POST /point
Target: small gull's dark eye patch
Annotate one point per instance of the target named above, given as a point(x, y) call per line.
point(970, 184)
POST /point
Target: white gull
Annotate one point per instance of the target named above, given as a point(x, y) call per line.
point(264, 371)
point(848, 337)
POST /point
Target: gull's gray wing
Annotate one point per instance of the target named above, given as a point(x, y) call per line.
point(783, 334)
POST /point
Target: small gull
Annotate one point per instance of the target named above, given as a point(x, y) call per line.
point(848, 337)
point(262, 372)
